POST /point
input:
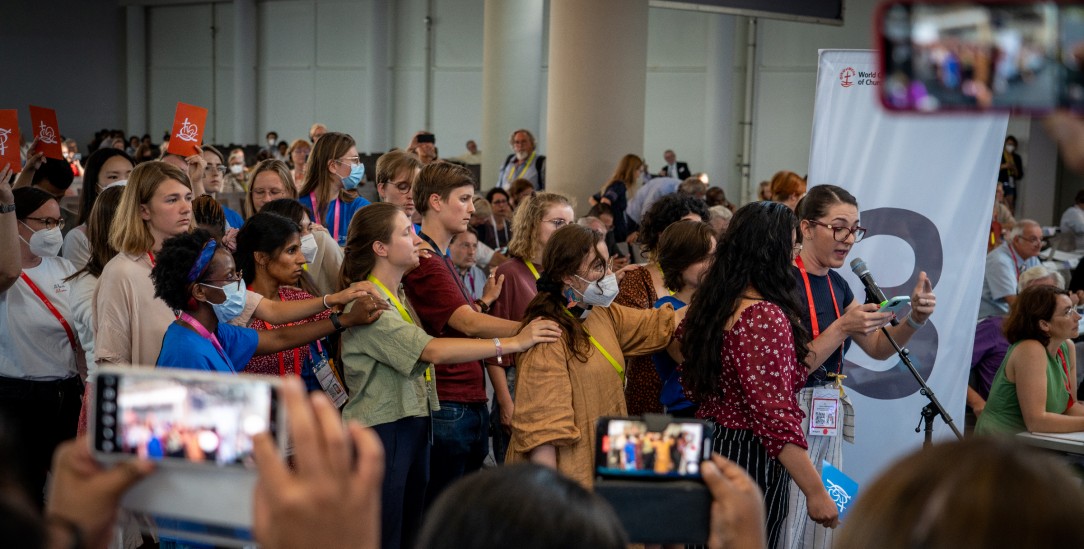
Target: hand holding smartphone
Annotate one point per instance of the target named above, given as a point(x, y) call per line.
point(894, 305)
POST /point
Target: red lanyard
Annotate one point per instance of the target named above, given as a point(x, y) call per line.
point(282, 361)
point(333, 204)
point(151, 256)
point(49, 305)
point(202, 331)
point(813, 310)
point(1068, 384)
point(1015, 265)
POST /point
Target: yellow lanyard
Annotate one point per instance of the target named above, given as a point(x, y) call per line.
point(512, 173)
point(663, 275)
point(399, 306)
point(533, 270)
point(613, 362)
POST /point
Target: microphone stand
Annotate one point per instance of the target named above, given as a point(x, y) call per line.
point(931, 410)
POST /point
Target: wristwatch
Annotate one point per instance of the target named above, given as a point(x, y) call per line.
point(7, 208)
point(335, 322)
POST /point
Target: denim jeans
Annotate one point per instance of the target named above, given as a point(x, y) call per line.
point(460, 444)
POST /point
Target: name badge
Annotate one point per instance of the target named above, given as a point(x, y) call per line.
point(330, 383)
point(824, 412)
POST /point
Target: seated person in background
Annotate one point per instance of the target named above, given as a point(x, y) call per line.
point(1005, 263)
point(1002, 221)
point(1034, 388)
point(462, 252)
point(943, 497)
point(1072, 225)
point(991, 345)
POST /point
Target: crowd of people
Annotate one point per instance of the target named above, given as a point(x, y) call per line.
point(660, 296)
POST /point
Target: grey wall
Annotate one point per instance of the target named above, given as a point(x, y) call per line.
point(67, 55)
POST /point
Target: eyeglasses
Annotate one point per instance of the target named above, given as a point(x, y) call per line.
point(219, 168)
point(49, 222)
point(401, 186)
point(268, 192)
point(841, 233)
point(237, 278)
point(352, 160)
point(1031, 240)
point(603, 267)
point(557, 222)
point(499, 202)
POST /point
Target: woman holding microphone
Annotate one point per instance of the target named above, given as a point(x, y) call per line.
point(829, 227)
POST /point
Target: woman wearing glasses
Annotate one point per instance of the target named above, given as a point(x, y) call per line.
point(198, 278)
point(1035, 388)
point(40, 353)
point(213, 182)
point(533, 225)
point(830, 227)
point(332, 177)
point(396, 172)
point(564, 387)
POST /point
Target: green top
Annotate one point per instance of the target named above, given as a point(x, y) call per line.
point(384, 372)
point(1002, 414)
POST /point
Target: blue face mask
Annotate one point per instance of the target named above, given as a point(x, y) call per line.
point(234, 304)
point(352, 181)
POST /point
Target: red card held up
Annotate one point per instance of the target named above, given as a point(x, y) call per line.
point(45, 130)
point(187, 134)
point(9, 140)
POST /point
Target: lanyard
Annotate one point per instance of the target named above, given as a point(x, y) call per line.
point(662, 275)
point(151, 256)
point(470, 275)
point(448, 265)
point(1068, 384)
point(497, 235)
point(316, 211)
point(49, 305)
point(1015, 263)
point(512, 173)
point(613, 362)
point(399, 307)
point(202, 331)
point(813, 310)
point(534, 271)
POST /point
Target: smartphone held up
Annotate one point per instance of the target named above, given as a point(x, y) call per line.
point(953, 56)
point(181, 417)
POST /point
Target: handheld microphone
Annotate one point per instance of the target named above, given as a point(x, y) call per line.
point(873, 292)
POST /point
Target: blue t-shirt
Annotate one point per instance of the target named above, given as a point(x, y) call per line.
point(184, 348)
point(826, 315)
point(233, 219)
point(346, 213)
point(672, 396)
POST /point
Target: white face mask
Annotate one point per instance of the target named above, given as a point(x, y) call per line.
point(601, 293)
point(308, 247)
point(46, 242)
point(236, 169)
point(1010, 148)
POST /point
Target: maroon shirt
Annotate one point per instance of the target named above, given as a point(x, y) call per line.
point(759, 380)
point(436, 291)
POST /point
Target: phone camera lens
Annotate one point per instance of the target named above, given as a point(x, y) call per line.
point(107, 446)
point(109, 407)
point(108, 420)
point(109, 380)
point(109, 393)
point(107, 432)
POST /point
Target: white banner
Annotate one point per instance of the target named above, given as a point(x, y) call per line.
point(925, 189)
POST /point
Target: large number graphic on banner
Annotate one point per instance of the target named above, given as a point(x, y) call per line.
point(925, 240)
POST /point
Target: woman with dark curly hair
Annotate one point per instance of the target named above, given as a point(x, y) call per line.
point(564, 387)
point(742, 341)
point(198, 278)
point(642, 287)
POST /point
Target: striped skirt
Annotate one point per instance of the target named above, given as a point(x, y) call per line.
point(743, 447)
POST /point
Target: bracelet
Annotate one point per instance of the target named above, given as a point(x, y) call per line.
point(482, 306)
point(500, 351)
point(326, 306)
point(911, 322)
point(335, 322)
point(7, 208)
point(73, 530)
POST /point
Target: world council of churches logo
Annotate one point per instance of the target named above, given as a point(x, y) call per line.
point(845, 76)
